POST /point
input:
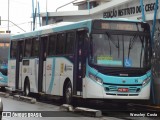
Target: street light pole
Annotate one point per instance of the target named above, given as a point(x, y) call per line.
point(46, 4)
point(8, 15)
point(46, 13)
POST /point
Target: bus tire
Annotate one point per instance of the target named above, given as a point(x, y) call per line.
point(68, 93)
point(3, 89)
point(26, 88)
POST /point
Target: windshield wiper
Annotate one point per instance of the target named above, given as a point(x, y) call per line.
point(111, 40)
point(118, 46)
point(142, 41)
point(131, 43)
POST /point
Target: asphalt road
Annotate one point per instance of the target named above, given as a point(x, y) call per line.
point(50, 110)
point(20, 108)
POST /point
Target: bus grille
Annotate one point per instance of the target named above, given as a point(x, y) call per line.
point(121, 94)
point(132, 89)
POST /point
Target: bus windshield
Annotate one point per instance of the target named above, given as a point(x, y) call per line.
point(4, 47)
point(121, 50)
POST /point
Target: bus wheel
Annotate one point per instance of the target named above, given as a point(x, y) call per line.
point(27, 89)
point(3, 89)
point(68, 93)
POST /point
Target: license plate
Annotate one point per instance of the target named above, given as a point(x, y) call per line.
point(122, 89)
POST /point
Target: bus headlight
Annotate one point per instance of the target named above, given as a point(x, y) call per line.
point(146, 81)
point(1, 78)
point(97, 79)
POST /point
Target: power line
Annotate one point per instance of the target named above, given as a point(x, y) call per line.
point(15, 25)
point(18, 24)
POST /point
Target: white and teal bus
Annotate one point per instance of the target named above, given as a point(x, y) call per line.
point(4, 50)
point(96, 59)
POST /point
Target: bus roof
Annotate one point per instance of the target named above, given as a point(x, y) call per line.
point(64, 26)
point(58, 27)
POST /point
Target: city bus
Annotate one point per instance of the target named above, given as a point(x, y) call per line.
point(4, 50)
point(91, 59)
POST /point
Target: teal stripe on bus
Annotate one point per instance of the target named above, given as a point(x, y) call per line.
point(52, 78)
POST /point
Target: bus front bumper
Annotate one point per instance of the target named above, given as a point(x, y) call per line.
point(97, 91)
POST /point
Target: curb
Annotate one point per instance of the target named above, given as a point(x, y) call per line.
point(25, 99)
point(3, 94)
point(89, 112)
point(66, 107)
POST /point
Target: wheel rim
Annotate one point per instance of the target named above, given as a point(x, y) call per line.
point(68, 95)
point(27, 91)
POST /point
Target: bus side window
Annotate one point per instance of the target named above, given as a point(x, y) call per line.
point(52, 45)
point(60, 46)
point(28, 44)
point(13, 49)
point(35, 47)
point(21, 46)
point(70, 43)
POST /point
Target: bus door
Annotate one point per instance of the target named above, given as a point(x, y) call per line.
point(80, 61)
point(19, 56)
point(42, 64)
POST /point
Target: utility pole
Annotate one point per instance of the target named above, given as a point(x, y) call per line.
point(8, 15)
point(88, 5)
point(33, 15)
point(143, 13)
point(46, 4)
point(46, 13)
point(31, 25)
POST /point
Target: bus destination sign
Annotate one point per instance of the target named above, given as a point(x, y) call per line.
point(117, 26)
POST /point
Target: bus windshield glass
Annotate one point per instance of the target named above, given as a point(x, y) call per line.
point(121, 50)
point(4, 47)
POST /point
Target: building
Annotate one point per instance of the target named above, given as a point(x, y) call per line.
point(130, 9)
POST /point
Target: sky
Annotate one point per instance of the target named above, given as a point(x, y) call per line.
point(20, 12)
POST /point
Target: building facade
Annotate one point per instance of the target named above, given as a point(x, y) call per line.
point(130, 9)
